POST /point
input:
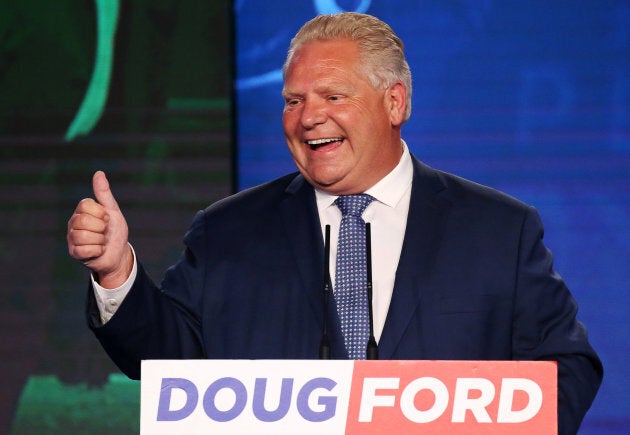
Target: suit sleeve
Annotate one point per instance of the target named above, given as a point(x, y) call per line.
point(157, 323)
point(546, 328)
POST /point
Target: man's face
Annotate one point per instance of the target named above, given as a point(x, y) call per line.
point(343, 134)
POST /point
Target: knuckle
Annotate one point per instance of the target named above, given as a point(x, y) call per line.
point(84, 204)
point(86, 201)
point(74, 252)
point(82, 221)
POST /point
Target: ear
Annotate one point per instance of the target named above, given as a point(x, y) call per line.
point(396, 101)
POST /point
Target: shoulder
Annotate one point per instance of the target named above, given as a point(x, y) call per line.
point(463, 193)
point(469, 204)
point(258, 199)
point(254, 207)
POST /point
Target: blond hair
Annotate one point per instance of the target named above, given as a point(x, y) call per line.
point(381, 49)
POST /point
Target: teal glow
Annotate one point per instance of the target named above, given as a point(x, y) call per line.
point(50, 406)
point(94, 101)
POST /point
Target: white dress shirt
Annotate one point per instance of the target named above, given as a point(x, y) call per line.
point(388, 219)
point(387, 216)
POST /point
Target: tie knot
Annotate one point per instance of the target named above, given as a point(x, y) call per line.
point(353, 205)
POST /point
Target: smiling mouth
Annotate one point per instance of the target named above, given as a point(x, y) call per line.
point(317, 143)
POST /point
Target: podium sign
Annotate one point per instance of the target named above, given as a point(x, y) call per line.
point(348, 397)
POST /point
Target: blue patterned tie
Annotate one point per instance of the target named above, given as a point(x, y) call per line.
point(351, 275)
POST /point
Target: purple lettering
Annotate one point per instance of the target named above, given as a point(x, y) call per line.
point(165, 413)
point(329, 403)
point(239, 404)
point(260, 390)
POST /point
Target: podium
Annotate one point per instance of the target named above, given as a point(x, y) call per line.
point(348, 397)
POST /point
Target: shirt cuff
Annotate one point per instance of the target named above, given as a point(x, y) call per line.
point(108, 300)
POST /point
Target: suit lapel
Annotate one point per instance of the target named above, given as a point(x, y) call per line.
point(303, 231)
point(422, 235)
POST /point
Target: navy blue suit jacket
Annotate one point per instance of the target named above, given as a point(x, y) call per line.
point(474, 282)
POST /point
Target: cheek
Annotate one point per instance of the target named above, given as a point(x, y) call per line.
point(290, 119)
point(360, 120)
point(286, 124)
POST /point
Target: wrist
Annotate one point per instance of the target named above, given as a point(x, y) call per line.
point(118, 277)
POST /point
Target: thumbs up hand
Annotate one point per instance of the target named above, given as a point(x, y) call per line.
point(98, 235)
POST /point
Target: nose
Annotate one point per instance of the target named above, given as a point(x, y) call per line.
point(313, 114)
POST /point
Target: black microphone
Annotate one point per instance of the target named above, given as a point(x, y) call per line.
point(372, 348)
point(324, 345)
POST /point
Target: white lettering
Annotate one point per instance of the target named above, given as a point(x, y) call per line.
point(369, 399)
point(408, 396)
point(508, 386)
point(463, 402)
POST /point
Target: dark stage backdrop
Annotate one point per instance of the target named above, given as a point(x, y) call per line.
point(142, 90)
point(530, 97)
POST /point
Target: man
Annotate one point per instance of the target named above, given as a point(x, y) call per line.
point(460, 270)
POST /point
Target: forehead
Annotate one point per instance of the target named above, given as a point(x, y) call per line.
point(325, 62)
point(343, 53)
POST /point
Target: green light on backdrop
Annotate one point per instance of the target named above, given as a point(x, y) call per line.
point(49, 406)
point(94, 101)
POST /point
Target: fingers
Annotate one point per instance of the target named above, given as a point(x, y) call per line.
point(87, 226)
point(89, 215)
point(86, 230)
point(84, 245)
point(102, 192)
point(86, 253)
point(86, 234)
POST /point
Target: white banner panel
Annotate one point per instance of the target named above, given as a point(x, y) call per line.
point(244, 397)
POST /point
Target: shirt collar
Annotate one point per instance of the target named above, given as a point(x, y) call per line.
point(389, 190)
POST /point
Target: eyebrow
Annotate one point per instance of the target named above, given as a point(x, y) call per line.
point(323, 89)
point(287, 93)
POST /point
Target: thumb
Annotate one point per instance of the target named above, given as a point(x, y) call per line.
point(102, 191)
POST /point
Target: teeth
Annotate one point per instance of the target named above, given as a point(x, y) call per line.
point(323, 141)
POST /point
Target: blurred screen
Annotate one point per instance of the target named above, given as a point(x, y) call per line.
point(141, 90)
point(532, 98)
